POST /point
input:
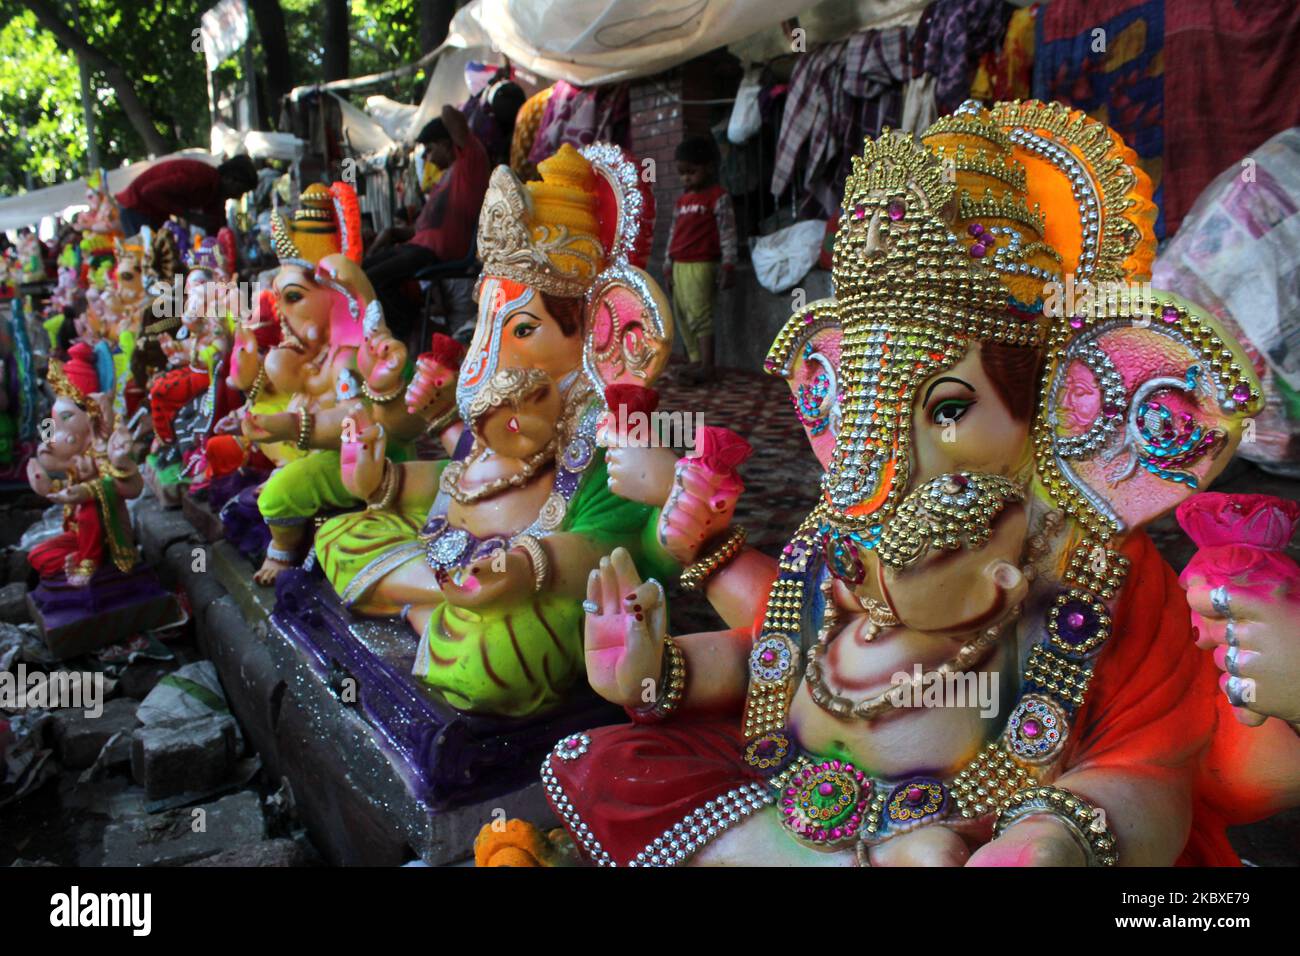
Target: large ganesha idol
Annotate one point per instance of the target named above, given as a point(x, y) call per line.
point(487, 556)
point(336, 360)
point(970, 652)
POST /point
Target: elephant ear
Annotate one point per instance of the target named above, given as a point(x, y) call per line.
point(806, 353)
point(1143, 407)
point(629, 329)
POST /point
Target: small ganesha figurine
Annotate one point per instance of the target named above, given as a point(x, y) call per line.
point(84, 463)
point(338, 363)
point(970, 652)
point(487, 556)
point(196, 348)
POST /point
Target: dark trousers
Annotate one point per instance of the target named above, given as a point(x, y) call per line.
point(388, 269)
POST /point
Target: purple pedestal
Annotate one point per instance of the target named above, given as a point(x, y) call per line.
point(446, 758)
point(114, 606)
point(243, 524)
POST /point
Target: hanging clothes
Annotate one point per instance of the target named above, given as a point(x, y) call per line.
point(957, 34)
point(839, 94)
point(582, 115)
point(1008, 73)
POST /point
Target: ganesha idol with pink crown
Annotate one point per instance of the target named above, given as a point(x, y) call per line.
point(970, 652)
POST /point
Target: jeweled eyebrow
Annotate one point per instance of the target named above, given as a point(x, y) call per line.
point(939, 381)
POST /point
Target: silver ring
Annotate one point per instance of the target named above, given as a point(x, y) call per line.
point(591, 607)
point(1220, 602)
point(1233, 689)
point(1230, 661)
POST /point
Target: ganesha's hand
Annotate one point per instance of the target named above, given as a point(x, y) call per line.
point(433, 388)
point(928, 846)
point(1255, 635)
point(624, 637)
point(281, 426)
point(230, 422)
point(493, 580)
point(700, 506)
point(75, 494)
point(361, 462)
point(644, 475)
point(380, 361)
point(1034, 841)
point(39, 478)
point(244, 360)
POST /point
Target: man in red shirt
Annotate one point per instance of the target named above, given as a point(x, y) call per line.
point(188, 188)
point(444, 229)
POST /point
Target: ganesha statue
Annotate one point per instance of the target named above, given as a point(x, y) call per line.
point(970, 653)
point(486, 556)
point(93, 590)
point(194, 349)
point(339, 366)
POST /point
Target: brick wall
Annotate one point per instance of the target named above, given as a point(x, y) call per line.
point(657, 126)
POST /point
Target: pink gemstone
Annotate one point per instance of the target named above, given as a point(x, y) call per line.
point(977, 251)
point(1169, 314)
point(859, 212)
point(1075, 619)
point(1112, 411)
point(975, 229)
point(768, 656)
point(836, 833)
point(572, 744)
point(915, 794)
point(896, 209)
point(1076, 322)
point(1031, 728)
point(1240, 394)
point(826, 789)
point(835, 765)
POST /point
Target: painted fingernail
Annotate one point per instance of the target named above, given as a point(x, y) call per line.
point(636, 607)
point(640, 617)
point(631, 597)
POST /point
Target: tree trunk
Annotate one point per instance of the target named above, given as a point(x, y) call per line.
point(136, 112)
point(269, 17)
point(435, 21)
point(337, 39)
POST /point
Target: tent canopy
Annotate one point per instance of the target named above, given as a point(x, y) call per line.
point(31, 207)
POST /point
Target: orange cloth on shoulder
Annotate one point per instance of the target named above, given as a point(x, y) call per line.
point(1151, 705)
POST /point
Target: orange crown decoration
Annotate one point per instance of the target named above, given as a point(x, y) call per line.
point(327, 221)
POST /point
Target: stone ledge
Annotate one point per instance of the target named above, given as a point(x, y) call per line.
point(354, 801)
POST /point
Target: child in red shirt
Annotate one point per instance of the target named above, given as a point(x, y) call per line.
point(703, 236)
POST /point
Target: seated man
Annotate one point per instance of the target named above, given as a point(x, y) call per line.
point(189, 188)
point(445, 227)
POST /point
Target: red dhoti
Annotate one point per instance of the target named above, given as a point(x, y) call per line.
point(169, 394)
point(82, 539)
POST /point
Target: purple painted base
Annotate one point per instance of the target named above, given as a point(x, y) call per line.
point(74, 620)
point(446, 757)
point(244, 526)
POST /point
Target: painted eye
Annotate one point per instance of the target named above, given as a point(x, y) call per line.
point(523, 330)
point(951, 410)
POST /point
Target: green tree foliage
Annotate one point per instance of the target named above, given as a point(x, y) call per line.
point(42, 132)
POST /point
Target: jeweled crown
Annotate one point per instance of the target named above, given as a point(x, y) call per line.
point(544, 234)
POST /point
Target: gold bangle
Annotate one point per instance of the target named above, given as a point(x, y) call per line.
point(1086, 822)
point(672, 686)
point(306, 420)
point(382, 399)
point(694, 576)
point(537, 557)
point(388, 486)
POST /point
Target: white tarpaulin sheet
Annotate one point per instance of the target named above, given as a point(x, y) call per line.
point(31, 207)
point(590, 42)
